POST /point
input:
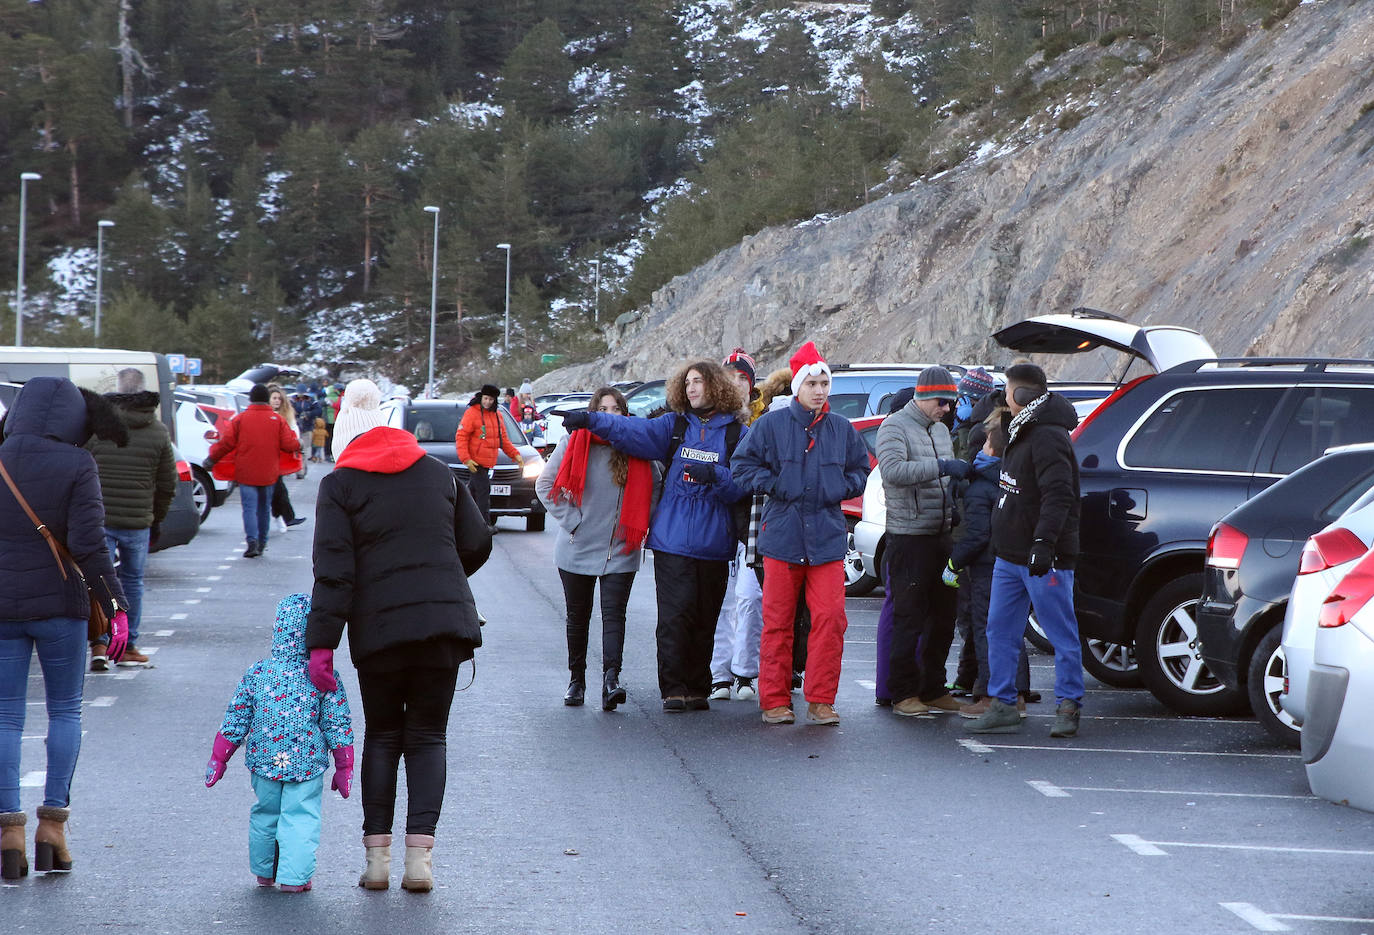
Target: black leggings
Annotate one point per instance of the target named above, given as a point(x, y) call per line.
point(405, 713)
point(615, 596)
point(281, 502)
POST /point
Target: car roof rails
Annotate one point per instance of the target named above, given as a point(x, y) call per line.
point(1306, 364)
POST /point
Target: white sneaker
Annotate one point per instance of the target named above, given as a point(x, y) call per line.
point(720, 691)
point(744, 689)
point(281, 524)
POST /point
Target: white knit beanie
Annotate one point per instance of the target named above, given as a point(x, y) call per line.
point(358, 413)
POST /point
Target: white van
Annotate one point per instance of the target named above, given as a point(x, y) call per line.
point(94, 368)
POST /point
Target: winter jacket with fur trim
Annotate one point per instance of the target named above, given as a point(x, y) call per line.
point(285, 724)
point(396, 538)
point(1039, 483)
point(691, 519)
point(802, 520)
point(43, 432)
point(139, 480)
point(256, 447)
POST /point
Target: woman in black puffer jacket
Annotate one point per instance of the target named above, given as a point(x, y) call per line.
point(395, 539)
point(44, 604)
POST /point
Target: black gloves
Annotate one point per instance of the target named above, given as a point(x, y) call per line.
point(1041, 558)
point(155, 532)
point(208, 464)
point(574, 419)
point(701, 473)
point(954, 467)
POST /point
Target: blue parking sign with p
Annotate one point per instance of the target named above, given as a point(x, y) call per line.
point(193, 366)
point(176, 363)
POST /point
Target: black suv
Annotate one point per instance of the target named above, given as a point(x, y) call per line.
point(1253, 556)
point(434, 423)
point(1162, 460)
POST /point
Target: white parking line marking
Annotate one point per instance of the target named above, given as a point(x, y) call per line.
point(1135, 843)
point(203, 590)
point(1258, 918)
point(1226, 795)
point(974, 746)
point(223, 568)
point(866, 683)
point(194, 600)
point(1139, 845)
point(104, 701)
point(213, 577)
point(148, 650)
point(179, 616)
point(861, 642)
point(1071, 749)
point(1048, 789)
point(126, 674)
point(34, 779)
point(164, 632)
point(41, 736)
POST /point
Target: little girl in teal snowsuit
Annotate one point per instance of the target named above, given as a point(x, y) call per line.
point(289, 727)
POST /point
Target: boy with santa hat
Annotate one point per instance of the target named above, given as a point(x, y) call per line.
point(807, 461)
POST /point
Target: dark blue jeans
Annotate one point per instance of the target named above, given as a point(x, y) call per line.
point(61, 645)
point(130, 548)
point(1014, 592)
point(257, 511)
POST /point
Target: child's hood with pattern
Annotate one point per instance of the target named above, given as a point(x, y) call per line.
point(285, 724)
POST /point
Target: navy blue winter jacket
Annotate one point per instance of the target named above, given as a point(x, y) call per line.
point(802, 520)
point(691, 519)
point(980, 499)
point(41, 451)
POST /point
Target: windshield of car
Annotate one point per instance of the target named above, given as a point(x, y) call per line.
point(647, 399)
point(440, 423)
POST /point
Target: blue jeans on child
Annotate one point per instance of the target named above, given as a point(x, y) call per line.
point(61, 645)
point(284, 829)
point(130, 548)
point(257, 511)
point(1014, 591)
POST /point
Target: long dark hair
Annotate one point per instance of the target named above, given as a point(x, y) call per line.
point(620, 462)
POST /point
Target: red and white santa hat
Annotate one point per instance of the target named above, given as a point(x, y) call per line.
point(807, 362)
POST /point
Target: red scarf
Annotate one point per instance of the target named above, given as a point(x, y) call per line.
point(634, 507)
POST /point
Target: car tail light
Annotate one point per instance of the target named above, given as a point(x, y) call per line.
point(1226, 546)
point(1348, 597)
point(1101, 407)
point(1329, 549)
point(184, 470)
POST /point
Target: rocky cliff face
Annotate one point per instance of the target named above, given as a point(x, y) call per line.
point(1231, 192)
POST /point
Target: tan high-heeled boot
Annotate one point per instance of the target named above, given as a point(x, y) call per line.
point(50, 840)
point(419, 875)
point(377, 874)
point(14, 861)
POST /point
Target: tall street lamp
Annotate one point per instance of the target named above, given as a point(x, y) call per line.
point(506, 247)
point(24, 179)
point(433, 299)
point(596, 303)
point(99, 270)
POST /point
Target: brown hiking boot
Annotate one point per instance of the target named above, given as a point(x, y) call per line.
point(821, 713)
point(779, 715)
point(945, 704)
point(132, 657)
point(911, 707)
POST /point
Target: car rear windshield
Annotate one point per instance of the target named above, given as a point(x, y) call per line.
point(1204, 430)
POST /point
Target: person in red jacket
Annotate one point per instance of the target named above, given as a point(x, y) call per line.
point(255, 448)
point(480, 435)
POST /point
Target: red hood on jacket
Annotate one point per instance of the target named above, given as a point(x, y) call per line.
point(383, 450)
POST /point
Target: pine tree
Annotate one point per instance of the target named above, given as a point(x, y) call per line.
point(534, 80)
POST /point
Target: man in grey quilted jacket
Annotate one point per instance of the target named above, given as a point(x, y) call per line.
point(916, 459)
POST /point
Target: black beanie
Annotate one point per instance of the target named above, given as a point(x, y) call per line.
point(489, 389)
point(258, 394)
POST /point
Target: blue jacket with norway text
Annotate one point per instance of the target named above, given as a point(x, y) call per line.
point(805, 483)
point(691, 519)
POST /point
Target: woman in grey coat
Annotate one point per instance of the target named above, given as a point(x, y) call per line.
point(601, 499)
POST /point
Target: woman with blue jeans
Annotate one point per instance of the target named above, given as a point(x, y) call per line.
point(44, 601)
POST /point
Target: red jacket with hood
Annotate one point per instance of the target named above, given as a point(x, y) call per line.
point(256, 447)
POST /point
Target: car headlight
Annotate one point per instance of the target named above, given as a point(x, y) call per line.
point(534, 466)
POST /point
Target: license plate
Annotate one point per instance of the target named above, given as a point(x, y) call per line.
point(500, 490)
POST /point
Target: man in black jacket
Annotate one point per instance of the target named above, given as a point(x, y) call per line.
point(1035, 538)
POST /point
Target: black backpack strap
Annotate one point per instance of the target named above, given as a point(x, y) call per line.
point(679, 436)
point(732, 434)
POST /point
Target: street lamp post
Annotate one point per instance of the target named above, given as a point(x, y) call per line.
point(433, 299)
point(596, 302)
point(24, 179)
point(99, 270)
point(506, 247)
